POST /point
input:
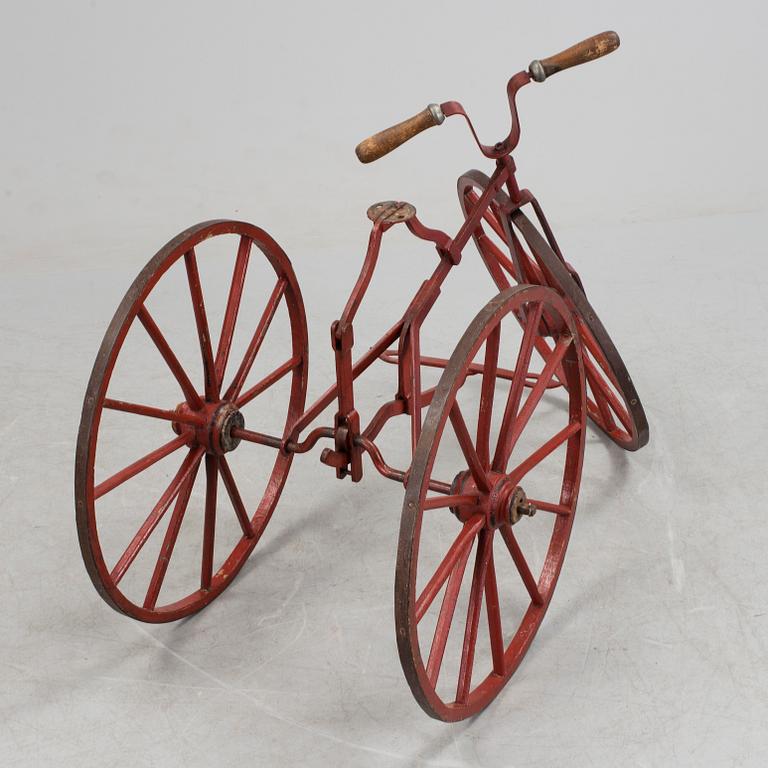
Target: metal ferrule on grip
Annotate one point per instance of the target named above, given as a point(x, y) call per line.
point(437, 113)
point(536, 71)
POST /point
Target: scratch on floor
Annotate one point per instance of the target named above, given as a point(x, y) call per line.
point(162, 684)
point(660, 643)
point(284, 647)
point(275, 614)
point(662, 475)
point(289, 720)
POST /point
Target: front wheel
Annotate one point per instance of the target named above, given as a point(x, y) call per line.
point(512, 246)
point(476, 486)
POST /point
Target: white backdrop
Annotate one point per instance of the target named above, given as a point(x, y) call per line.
point(122, 123)
point(157, 114)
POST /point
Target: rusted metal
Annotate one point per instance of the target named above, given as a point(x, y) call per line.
point(489, 490)
point(391, 211)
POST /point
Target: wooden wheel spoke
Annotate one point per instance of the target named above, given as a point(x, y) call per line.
point(235, 498)
point(542, 347)
point(233, 307)
point(605, 398)
point(485, 243)
point(521, 564)
point(465, 443)
point(256, 341)
point(493, 222)
point(599, 400)
point(201, 321)
point(492, 217)
point(541, 453)
point(537, 391)
point(456, 550)
point(487, 391)
point(494, 614)
point(169, 541)
point(522, 364)
point(190, 393)
point(152, 412)
point(589, 342)
point(138, 466)
point(209, 528)
point(445, 618)
point(490, 214)
point(473, 616)
point(188, 466)
point(267, 381)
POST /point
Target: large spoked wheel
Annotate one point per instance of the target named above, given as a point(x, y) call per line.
point(161, 403)
point(513, 247)
point(487, 461)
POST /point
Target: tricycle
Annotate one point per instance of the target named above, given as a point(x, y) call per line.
point(496, 445)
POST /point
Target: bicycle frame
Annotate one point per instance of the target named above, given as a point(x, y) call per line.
point(488, 495)
point(350, 440)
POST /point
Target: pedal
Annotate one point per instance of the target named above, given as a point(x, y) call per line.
point(391, 211)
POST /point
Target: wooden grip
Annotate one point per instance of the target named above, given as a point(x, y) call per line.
point(587, 50)
point(385, 141)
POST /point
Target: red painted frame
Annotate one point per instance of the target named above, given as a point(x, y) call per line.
point(350, 441)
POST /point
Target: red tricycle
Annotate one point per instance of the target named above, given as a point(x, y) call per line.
point(496, 445)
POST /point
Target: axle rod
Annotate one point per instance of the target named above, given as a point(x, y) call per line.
point(390, 472)
point(256, 437)
point(391, 356)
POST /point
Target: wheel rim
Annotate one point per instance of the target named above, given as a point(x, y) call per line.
point(612, 400)
point(613, 404)
point(203, 427)
point(487, 496)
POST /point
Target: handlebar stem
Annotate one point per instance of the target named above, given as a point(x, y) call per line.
point(504, 147)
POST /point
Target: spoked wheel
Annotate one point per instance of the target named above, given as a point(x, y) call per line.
point(160, 416)
point(487, 460)
point(513, 247)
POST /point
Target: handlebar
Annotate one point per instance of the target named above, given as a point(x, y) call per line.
point(587, 50)
point(385, 141)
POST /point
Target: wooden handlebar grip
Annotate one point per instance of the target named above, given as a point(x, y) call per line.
point(587, 50)
point(385, 141)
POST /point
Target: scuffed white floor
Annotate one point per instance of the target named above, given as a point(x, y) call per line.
point(654, 649)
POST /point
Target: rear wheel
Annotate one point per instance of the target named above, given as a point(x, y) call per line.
point(167, 426)
point(474, 486)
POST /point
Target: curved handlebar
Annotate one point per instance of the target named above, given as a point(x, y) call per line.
point(385, 141)
point(587, 50)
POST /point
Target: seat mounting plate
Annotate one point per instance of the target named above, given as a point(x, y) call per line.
point(391, 211)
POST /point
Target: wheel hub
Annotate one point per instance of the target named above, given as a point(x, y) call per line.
point(505, 504)
point(215, 431)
